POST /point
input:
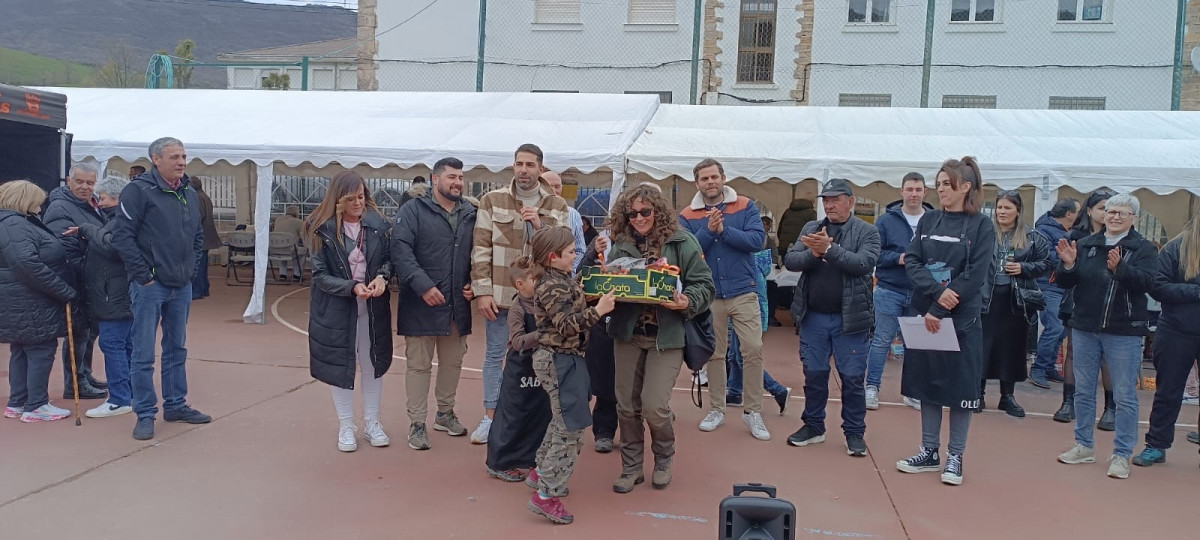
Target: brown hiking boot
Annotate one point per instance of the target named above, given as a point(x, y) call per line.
point(625, 482)
point(662, 476)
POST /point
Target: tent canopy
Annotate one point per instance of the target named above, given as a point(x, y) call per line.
point(1123, 150)
point(584, 131)
point(33, 106)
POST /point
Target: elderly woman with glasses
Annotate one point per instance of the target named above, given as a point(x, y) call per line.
point(1111, 272)
point(649, 338)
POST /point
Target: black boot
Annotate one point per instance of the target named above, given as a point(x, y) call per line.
point(979, 408)
point(1066, 413)
point(86, 390)
point(103, 385)
point(1108, 420)
point(1009, 405)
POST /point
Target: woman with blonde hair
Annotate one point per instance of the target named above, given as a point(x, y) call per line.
point(649, 338)
point(33, 270)
point(350, 318)
point(1177, 339)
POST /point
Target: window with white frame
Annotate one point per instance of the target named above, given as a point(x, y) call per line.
point(864, 100)
point(1084, 10)
point(651, 11)
point(953, 101)
point(756, 42)
point(1077, 103)
point(974, 11)
point(556, 12)
point(870, 11)
point(663, 97)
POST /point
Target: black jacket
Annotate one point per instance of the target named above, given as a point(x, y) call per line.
point(158, 231)
point(427, 253)
point(1034, 259)
point(1111, 302)
point(33, 286)
point(106, 285)
point(333, 311)
point(964, 244)
point(854, 253)
point(1180, 298)
point(65, 210)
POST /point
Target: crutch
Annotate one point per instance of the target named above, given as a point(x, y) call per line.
point(74, 373)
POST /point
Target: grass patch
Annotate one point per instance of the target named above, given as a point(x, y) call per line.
point(22, 68)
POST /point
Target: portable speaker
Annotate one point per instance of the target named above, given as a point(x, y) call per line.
point(757, 518)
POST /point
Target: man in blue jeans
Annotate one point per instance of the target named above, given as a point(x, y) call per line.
point(158, 235)
point(893, 292)
point(1054, 226)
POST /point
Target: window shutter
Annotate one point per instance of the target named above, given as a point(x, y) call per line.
point(557, 12)
point(651, 11)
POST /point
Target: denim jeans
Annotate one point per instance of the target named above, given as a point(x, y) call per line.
point(200, 278)
point(117, 346)
point(152, 304)
point(1123, 354)
point(493, 359)
point(1053, 332)
point(889, 307)
point(821, 335)
point(733, 363)
point(29, 374)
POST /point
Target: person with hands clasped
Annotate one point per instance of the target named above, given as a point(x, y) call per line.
point(1111, 272)
point(350, 317)
point(950, 262)
point(563, 322)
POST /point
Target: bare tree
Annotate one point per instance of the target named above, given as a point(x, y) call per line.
point(120, 69)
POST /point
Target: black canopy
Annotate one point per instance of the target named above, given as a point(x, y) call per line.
point(29, 106)
point(32, 144)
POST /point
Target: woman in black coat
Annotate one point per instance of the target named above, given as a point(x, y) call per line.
point(33, 271)
point(350, 317)
point(1021, 255)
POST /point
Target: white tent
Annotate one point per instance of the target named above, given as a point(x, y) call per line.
point(582, 131)
point(1085, 150)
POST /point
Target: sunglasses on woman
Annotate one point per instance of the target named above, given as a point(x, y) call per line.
point(645, 212)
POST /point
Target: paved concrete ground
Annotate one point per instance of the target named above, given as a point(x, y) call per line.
point(268, 467)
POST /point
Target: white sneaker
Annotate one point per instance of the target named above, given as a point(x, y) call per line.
point(374, 434)
point(872, 398)
point(757, 428)
point(348, 438)
point(704, 376)
point(480, 436)
point(1191, 400)
point(45, 413)
point(914, 403)
point(13, 412)
point(1118, 467)
point(712, 421)
point(107, 409)
point(1078, 454)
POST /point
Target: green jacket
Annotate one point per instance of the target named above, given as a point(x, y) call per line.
point(682, 250)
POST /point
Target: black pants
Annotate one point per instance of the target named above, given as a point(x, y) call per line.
point(1174, 355)
point(85, 341)
point(602, 370)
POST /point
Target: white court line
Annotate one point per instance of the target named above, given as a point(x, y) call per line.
point(294, 328)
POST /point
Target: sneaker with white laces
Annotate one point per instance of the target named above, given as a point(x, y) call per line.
point(872, 398)
point(703, 377)
point(375, 435)
point(926, 460)
point(107, 409)
point(348, 438)
point(712, 421)
point(758, 428)
point(953, 475)
point(1118, 467)
point(480, 436)
point(1078, 454)
point(13, 412)
point(45, 413)
point(914, 403)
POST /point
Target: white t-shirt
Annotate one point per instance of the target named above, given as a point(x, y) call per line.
point(912, 220)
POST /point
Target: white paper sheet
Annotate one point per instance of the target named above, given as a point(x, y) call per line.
point(916, 336)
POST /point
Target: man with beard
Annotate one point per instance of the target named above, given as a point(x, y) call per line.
point(431, 252)
point(504, 226)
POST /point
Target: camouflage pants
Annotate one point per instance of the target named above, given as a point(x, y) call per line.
point(559, 452)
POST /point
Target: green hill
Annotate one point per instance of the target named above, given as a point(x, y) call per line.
point(26, 69)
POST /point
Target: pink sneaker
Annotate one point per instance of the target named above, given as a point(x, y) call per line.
point(552, 508)
point(531, 479)
point(45, 413)
point(13, 412)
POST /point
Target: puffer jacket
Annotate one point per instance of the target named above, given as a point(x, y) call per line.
point(106, 285)
point(798, 214)
point(64, 211)
point(682, 250)
point(33, 270)
point(333, 311)
point(1111, 302)
point(855, 252)
point(427, 253)
point(1034, 259)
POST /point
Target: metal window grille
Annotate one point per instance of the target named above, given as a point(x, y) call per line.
point(864, 100)
point(756, 42)
point(968, 102)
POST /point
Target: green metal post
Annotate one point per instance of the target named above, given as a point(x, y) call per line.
point(927, 63)
point(304, 73)
point(696, 28)
point(1177, 72)
point(482, 42)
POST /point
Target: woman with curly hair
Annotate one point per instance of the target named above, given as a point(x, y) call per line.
point(649, 338)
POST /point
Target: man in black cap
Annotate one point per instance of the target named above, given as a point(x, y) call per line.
point(833, 309)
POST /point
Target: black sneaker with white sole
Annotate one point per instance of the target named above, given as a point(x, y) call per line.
point(925, 461)
point(856, 446)
point(806, 436)
point(953, 475)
